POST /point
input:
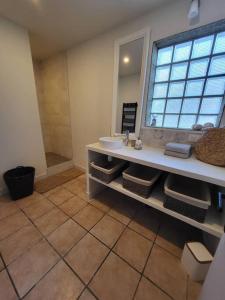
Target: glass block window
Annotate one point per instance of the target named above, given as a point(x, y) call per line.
point(187, 82)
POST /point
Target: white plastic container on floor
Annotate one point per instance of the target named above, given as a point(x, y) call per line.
point(196, 260)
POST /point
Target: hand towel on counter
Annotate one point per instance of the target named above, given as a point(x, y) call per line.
point(176, 154)
point(178, 150)
point(177, 147)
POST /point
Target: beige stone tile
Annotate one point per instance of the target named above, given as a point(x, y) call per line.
point(17, 243)
point(7, 291)
point(1, 265)
point(133, 248)
point(30, 200)
point(66, 236)
point(115, 280)
point(38, 209)
point(86, 257)
point(86, 295)
point(12, 223)
point(108, 230)
point(105, 200)
point(82, 179)
point(73, 205)
point(7, 208)
point(148, 291)
point(60, 196)
point(70, 182)
point(123, 210)
point(52, 191)
point(83, 195)
point(88, 216)
point(146, 222)
point(165, 270)
point(172, 236)
point(194, 290)
point(59, 284)
point(29, 268)
point(50, 221)
point(75, 186)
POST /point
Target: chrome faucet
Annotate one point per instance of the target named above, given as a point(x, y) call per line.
point(126, 140)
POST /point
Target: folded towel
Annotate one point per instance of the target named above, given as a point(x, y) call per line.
point(177, 154)
point(177, 147)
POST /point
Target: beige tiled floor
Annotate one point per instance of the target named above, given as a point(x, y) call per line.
point(61, 246)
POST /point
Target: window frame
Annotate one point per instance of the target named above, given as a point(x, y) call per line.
point(187, 36)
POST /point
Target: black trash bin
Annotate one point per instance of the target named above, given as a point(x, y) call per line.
point(20, 182)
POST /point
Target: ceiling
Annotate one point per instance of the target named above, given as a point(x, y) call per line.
point(56, 25)
point(134, 51)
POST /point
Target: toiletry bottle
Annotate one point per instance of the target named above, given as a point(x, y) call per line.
point(138, 144)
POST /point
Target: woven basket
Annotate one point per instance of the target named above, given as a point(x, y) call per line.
point(211, 147)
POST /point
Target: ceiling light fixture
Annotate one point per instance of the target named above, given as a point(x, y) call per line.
point(194, 10)
point(126, 59)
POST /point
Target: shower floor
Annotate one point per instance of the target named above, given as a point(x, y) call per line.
point(54, 159)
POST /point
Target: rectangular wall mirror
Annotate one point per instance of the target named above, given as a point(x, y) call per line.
point(129, 81)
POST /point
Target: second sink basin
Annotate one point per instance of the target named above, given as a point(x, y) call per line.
point(111, 142)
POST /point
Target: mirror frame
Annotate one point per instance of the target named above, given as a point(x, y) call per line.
point(143, 33)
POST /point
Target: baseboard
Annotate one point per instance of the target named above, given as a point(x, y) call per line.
point(81, 168)
point(41, 176)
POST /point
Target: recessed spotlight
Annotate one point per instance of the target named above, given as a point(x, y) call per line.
point(126, 59)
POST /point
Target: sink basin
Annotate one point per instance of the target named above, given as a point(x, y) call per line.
point(111, 142)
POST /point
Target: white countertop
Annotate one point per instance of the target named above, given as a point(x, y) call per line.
point(154, 157)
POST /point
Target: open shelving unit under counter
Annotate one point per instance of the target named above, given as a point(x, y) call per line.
point(154, 157)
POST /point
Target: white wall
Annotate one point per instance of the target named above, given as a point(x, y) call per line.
point(128, 92)
point(90, 68)
point(20, 131)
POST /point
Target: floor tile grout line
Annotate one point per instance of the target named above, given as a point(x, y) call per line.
point(150, 251)
point(28, 248)
point(142, 273)
point(8, 236)
point(10, 215)
point(90, 291)
point(126, 225)
point(10, 278)
point(110, 251)
point(60, 258)
point(88, 231)
point(60, 203)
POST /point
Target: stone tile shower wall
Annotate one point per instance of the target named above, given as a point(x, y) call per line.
point(52, 90)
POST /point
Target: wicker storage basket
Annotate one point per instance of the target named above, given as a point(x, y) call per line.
point(140, 179)
point(211, 147)
point(106, 170)
point(187, 196)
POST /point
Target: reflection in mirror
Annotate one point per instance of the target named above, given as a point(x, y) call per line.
point(129, 85)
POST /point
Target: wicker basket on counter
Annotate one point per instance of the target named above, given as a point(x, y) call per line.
point(211, 147)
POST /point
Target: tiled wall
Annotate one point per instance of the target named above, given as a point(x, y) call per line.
point(52, 90)
point(157, 137)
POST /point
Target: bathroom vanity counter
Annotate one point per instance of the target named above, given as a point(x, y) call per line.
point(154, 157)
